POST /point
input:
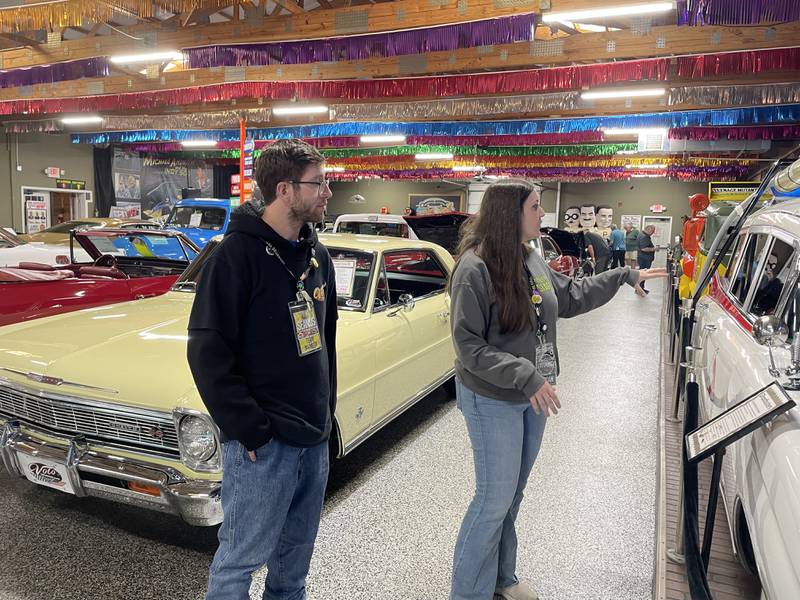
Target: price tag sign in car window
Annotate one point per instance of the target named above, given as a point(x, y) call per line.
point(345, 276)
point(194, 220)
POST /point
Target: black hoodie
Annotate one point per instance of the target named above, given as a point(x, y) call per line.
point(242, 349)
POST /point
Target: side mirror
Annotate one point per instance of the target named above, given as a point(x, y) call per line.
point(406, 302)
point(770, 331)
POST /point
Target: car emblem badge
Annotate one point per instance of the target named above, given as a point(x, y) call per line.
point(39, 378)
point(156, 432)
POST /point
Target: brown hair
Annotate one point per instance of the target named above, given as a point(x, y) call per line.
point(495, 235)
point(285, 160)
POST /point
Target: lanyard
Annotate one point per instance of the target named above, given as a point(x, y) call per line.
point(298, 281)
point(536, 302)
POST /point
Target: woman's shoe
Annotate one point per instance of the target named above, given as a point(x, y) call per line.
point(518, 591)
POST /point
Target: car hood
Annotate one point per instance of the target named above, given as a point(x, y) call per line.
point(133, 353)
point(442, 228)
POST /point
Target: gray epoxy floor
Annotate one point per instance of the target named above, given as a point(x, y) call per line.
point(586, 527)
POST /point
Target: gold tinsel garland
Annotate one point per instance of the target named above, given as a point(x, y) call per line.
point(74, 13)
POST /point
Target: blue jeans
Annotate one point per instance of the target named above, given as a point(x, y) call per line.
point(271, 511)
point(505, 438)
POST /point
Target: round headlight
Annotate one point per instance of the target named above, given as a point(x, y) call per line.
point(197, 438)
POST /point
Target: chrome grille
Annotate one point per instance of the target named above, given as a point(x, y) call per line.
point(97, 422)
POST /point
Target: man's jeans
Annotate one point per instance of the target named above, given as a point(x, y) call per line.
point(505, 440)
point(271, 513)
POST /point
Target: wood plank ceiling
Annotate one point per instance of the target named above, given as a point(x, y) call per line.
point(738, 85)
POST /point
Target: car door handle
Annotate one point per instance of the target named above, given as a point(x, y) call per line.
point(444, 315)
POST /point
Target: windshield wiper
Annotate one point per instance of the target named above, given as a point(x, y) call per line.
point(185, 286)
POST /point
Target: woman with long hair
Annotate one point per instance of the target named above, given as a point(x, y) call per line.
point(505, 302)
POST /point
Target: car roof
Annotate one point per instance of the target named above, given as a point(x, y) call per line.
point(202, 201)
point(784, 215)
point(373, 243)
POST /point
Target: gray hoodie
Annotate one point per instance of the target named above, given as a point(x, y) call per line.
point(501, 365)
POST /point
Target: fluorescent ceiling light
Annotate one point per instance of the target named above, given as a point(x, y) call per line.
point(648, 176)
point(434, 156)
point(622, 93)
point(616, 11)
point(627, 152)
point(303, 109)
point(199, 143)
point(333, 169)
point(647, 167)
point(469, 168)
point(150, 57)
point(589, 27)
point(645, 131)
point(381, 139)
point(82, 120)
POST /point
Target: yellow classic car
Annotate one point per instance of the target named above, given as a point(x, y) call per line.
point(101, 402)
point(59, 233)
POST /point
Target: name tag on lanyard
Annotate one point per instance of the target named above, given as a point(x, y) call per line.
point(546, 361)
point(304, 321)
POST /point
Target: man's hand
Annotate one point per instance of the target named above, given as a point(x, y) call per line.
point(545, 400)
point(637, 289)
point(251, 455)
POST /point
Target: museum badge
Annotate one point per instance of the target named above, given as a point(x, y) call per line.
point(304, 321)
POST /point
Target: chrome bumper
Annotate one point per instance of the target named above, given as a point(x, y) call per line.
point(196, 501)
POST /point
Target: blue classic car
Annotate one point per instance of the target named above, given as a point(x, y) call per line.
point(200, 219)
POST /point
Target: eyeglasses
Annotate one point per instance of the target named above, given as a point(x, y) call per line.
point(571, 217)
point(320, 184)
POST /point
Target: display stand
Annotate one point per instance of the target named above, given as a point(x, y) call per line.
point(715, 436)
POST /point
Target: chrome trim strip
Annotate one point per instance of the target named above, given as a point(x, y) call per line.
point(45, 379)
point(362, 437)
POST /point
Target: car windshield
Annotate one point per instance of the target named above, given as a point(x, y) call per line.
point(142, 245)
point(399, 230)
point(199, 217)
point(8, 239)
point(69, 226)
point(353, 274)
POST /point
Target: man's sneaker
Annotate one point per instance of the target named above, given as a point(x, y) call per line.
point(518, 591)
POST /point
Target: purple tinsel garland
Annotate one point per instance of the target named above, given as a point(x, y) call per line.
point(737, 12)
point(417, 41)
point(65, 71)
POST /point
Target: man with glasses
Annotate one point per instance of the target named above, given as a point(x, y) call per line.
point(571, 217)
point(262, 350)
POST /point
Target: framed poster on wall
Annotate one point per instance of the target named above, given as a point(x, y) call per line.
point(634, 220)
point(429, 204)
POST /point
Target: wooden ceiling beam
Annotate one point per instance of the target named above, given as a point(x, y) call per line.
point(469, 60)
point(291, 6)
point(383, 17)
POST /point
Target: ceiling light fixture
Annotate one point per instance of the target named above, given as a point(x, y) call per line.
point(198, 143)
point(303, 109)
point(84, 120)
point(383, 139)
point(434, 156)
point(647, 166)
point(646, 131)
point(622, 93)
point(616, 11)
point(150, 57)
point(469, 168)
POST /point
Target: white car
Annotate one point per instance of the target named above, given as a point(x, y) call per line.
point(14, 251)
point(733, 325)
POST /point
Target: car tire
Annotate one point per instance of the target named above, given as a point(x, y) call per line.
point(449, 387)
point(744, 545)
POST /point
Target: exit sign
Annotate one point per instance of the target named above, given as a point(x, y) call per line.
point(52, 172)
point(658, 208)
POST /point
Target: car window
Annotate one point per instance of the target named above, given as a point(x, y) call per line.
point(201, 217)
point(414, 272)
point(142, 245)
point(69, 226)
point(747, 266)
point(353, 272)
point(549, 248)
point(791, 313)
point(773, 277)
point(374, 228)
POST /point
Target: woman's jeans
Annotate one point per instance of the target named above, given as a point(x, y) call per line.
point(271, 510)
point(505, 437)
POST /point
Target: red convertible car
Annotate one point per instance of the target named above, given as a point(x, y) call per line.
point(563, 255)
point(126, 265)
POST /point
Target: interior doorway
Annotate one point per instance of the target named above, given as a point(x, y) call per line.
point(45, 207)
point(661, 238)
